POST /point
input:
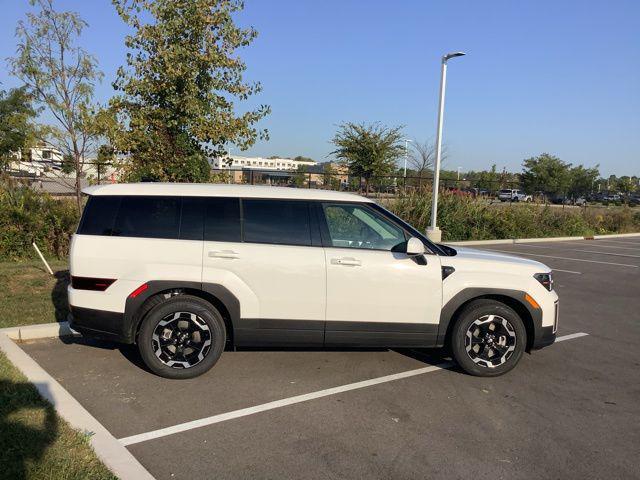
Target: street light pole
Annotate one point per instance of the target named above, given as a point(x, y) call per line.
point(433, 232)
point(406, 155)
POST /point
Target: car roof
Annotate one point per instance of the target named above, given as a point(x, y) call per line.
point(221, 190)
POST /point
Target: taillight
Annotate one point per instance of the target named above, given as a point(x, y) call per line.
point(89, 283)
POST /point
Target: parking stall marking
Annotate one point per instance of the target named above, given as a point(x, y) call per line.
point(515, 252)
point(585, 251)
point(566, 271)
point(616, 242)
point(571, 336)
point(243, 412)
point(590, 244)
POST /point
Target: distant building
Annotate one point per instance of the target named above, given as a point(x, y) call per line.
point(236, 162)
point(37, 161)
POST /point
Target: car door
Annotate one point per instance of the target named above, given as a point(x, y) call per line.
point(376, 293)
point(273, 264)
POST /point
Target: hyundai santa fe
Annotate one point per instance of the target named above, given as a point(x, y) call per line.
point(184, 270)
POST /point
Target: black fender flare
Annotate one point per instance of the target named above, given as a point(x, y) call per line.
point(516, 298)
point(215, 293)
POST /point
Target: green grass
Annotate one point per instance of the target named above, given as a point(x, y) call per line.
point(31, 295)
point(34, 442)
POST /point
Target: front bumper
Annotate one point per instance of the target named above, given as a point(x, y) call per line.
point(545, 336)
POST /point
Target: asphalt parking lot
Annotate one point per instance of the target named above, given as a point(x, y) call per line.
point(571, 410)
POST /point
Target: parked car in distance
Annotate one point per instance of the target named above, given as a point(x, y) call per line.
point(513, 195)
point(183, 270)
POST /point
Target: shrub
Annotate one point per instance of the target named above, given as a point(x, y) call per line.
point(27, 216)
point(462, 217)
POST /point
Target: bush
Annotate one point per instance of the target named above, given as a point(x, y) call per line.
point(462, 217)
point(27, 216)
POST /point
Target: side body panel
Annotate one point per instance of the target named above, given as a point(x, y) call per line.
point(132, 262)
point(386, 297)
point(280, 288)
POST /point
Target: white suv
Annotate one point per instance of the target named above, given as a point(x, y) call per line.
point(184, 270)
point(512, 195)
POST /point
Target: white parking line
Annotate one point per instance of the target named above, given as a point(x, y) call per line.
point(617, 242)
point(566, 271)
point(203, 422)
point(582, 244)
point(586, 251)
point(571, 336)
point(515, 252)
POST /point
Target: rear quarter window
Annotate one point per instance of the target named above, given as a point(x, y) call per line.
point(99, 215)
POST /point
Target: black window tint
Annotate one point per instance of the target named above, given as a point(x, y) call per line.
point(99, 215)
point(150, 217)
point(222, 223)
point(192, 218)
point(276, 221)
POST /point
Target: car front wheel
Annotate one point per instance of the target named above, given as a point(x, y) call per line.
point(488, 338)
point(182, 337)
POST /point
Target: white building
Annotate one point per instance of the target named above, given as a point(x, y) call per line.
point(37, 161)
point(236, 162)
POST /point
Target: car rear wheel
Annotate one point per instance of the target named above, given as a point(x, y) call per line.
point(488, 338)
point(182, 337)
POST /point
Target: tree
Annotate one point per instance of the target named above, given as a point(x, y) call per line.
point(61, 76)
point(583, 180)
point(546, 173)
point(16, 127)
point(175, 105)
point(368, 150)
point(423, 157)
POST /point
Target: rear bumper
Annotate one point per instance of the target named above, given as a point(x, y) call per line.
point(98, 323)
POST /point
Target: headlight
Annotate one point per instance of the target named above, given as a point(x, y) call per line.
point(545, 279)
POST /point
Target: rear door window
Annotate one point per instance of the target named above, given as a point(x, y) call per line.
point(222, 219)
point(281, 222)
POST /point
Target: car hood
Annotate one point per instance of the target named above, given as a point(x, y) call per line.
point(496, 260)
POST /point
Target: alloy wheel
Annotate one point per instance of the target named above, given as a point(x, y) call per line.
point(181, 340)
point(490, 341)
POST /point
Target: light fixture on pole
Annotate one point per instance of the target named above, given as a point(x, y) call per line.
point(433, 232)
point(406, 155)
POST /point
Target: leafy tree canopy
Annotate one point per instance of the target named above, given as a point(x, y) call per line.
point(177, 91)
point(546, 173)
point(16, 128)
point(368, 150)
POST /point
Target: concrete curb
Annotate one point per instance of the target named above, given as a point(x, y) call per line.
point(43, 330)
point(509, 241)
point(112, 453)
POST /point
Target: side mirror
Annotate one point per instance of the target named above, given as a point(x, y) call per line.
point(414, 247)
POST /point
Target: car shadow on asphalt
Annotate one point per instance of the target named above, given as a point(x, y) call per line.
point(427, 356)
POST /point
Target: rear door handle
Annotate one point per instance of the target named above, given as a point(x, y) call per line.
point(347, 261)
point(223, 254)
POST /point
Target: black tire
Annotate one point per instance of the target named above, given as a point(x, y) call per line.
point(472, 330)
point(204, 325)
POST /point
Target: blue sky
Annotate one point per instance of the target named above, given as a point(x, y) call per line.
point(540, 76)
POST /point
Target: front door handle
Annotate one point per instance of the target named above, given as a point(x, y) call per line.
point(347, 261)
point(223, 254)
